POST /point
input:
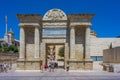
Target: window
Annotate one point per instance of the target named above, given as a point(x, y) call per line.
point(97, 58)
point(94, 58)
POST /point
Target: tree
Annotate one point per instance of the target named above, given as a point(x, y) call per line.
point(6, 49)
point(0, 48)
point(118, 36)
point(110, 46)
point(10, 48)
point(61, 52)
point(15, 49)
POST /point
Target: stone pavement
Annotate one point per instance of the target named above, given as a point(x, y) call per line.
point(59, 75)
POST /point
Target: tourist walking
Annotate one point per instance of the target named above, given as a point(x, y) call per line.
point(52, 67)
point(5, 67)
point(45, 67)
point(49, 67)
point(41, 68)
point(1, 68)
point(67, 67)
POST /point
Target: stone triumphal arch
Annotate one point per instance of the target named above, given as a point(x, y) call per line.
point(42, 36)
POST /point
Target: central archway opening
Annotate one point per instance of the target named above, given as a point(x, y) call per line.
point(55, 55)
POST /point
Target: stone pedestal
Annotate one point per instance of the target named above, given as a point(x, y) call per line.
point(43, 53)
point(81, 65)
point(28, 65)
point(66, 56)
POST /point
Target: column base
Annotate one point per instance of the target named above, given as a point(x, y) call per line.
point(81, 65)
point(88, 59)
point(21, 59)
point(28, 64)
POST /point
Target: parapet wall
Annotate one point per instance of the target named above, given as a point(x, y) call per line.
point(111, 55)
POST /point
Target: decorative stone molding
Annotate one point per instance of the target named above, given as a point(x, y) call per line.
point(80, 23)
point(55, 14)
point(29, 24)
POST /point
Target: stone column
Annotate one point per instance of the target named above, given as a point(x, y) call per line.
point(72, 43)
point(87, 43)
point(37, 42)
point(66, 56)
point(66, 51)
point(43, 53)
point(22, 43)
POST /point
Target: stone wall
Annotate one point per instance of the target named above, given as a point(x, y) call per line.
point(111, 59)
point(112, 55)
point(30, 48)
point(8, 58)
point(79, 50)
point(97, 45)
point(29, 35)
point(81, 65)
point(79, 42)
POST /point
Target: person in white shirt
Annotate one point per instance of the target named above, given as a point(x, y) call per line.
point(5, 67)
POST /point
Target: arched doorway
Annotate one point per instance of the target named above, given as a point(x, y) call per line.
point(55, 55)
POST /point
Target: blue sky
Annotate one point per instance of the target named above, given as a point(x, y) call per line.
point(106, 22)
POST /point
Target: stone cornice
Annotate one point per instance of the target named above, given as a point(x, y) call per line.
point(80, 24)
point(28, 24)
point(72, 16)
point(29, 16)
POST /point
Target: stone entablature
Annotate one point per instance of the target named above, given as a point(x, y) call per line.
point(29, 19)
point(54, 40)
point(54, 24)
point(80, 17)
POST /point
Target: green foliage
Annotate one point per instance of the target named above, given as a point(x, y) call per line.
point(0, 49)
point(10, 48)
point(6, 49)
point(60, 59)
point(0, 46)
point(61, 52)
point(118, 36)
point(110, 46)
point(15, 49)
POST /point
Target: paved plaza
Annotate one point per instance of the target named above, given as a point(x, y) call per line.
point(60, 75)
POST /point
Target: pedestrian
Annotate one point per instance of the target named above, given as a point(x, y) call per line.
point(1, 68)
point(45, 67)
point(67, 67)
point(5, 67)
point(52, 67)
point(41, 68)
point(49, 67)
point(56, 65)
